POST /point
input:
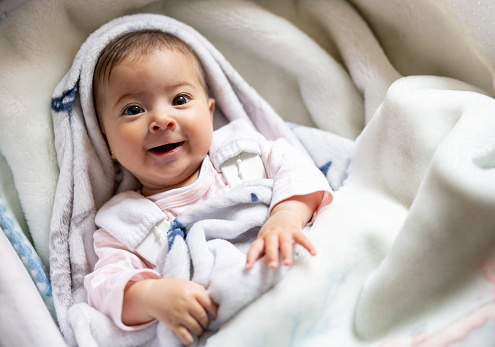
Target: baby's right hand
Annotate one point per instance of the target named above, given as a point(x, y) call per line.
point(184, 306)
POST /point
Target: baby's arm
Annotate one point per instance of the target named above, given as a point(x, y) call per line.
point(184, 306)
point(284, 228)
point(123, 287)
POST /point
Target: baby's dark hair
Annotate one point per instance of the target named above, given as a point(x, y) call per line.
point(135, 45)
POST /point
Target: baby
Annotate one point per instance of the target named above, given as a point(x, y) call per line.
point(154, 109)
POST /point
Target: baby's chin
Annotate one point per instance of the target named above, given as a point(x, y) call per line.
point(153, 189)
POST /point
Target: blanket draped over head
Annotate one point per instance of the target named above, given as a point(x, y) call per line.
point(88, 175)
point(406, 249)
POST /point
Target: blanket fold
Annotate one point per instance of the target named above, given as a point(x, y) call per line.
point(460, 178)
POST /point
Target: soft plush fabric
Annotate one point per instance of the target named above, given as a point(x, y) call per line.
point(405, 251)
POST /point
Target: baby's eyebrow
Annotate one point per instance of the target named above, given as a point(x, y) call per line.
point(179, 85)
point(122, 97)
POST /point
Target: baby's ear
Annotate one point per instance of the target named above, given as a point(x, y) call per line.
point(211, 106)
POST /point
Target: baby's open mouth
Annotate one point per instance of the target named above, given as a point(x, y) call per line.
point(166, 148)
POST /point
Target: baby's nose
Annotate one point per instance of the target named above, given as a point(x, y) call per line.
point(162, 123)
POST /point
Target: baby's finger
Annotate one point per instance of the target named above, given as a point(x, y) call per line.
point(302, 240)
point(200, 315)
point(184, 335)
point(192, 325)
point(255, 252)
point(210, 306)
point(287, 248)
point(271, 250)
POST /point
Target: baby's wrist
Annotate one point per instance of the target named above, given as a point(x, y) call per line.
point(289, 215)
point(135, 308)
point(146, 296)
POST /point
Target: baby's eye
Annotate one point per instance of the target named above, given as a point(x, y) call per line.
point(133, 110)
point(180, 100)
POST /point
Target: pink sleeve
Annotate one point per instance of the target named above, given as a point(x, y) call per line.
point(293, 173)
point(115, 268)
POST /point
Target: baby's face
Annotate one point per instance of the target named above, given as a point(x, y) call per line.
point(158, 119)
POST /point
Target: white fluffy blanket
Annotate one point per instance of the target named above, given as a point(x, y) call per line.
point(405, 251)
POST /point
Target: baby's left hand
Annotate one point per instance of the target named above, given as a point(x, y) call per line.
point(281, 231)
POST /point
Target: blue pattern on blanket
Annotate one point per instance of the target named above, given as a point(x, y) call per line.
point(176, 229)
point(28, 256)
point(64, 102)
point(254, 197)
point(324, 168)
